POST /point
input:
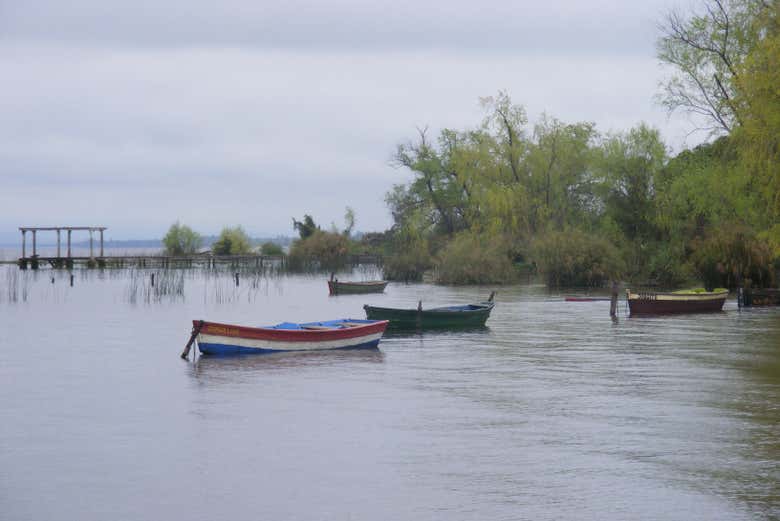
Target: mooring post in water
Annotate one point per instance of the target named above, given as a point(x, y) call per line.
point(71, 280)
point(419, 315)
point(193, 336)
point(236, 279)
point(613, 301)
point(152, 279)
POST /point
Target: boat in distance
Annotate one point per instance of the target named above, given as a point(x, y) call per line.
point(339, 287)
point(446, 317)
point(685, 301)
point(226, 339)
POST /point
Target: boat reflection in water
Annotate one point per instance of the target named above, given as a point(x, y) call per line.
point(229, 366)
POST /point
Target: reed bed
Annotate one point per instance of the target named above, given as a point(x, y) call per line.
point(137, 285)
point(155, 286)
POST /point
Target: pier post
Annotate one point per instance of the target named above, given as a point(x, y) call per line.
point(58, 243)
point(91, 254)
point(34, 250)
point(613, 301)
point(69, 232)
point(101, 243)
point(24, 244)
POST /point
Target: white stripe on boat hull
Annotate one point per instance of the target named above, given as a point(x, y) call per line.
point(278, 345)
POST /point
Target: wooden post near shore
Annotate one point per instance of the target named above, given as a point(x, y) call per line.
point(613, 301)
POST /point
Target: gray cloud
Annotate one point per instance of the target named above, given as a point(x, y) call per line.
point(572, 27)
point(132, 115)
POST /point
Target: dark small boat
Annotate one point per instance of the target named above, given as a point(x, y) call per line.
point(338, 287)
point(447, 317)
point(761, 297)
point(686, 301)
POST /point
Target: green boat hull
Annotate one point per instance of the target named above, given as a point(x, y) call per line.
point(356, 288)
point(454, 317)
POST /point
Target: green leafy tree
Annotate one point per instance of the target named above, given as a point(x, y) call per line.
point(181, 240)
point(306, 227)
point(628, 165)
point(759, 136)
point(349, 221)
point(271, 248)
point(232, 241)
point(706, 50)
point(434, 189)
point(559, 164)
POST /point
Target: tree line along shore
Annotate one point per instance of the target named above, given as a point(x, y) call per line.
point(491, 203)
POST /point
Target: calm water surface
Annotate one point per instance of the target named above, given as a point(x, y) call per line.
point(552, 412)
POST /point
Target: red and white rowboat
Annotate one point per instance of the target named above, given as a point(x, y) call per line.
point(222, 339)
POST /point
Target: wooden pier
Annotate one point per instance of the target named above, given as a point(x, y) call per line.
point(59, 260)
point(205, 260)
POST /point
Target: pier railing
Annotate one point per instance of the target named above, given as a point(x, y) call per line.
point(168, 261)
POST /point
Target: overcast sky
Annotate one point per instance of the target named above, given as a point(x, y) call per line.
point(133, 114)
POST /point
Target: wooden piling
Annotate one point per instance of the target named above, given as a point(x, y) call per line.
point(614, 300)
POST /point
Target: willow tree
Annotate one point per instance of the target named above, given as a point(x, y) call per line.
point(559, 164)
point(759, 136)
point(433, 187)
point(506, 122)
point(706, 50)
point(628, 167)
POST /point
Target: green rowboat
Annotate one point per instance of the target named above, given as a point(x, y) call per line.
point(447, 317)
point(337, 287)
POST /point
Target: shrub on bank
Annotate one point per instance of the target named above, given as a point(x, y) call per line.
point(271, 248)
point(408, 257)
point(320, 250)
point(473, 259)
point(667, 266)
point(574, 258)
point(181, 240)
point(732, 253)
point(232, 241)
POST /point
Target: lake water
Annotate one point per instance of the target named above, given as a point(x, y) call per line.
point(552, 412)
